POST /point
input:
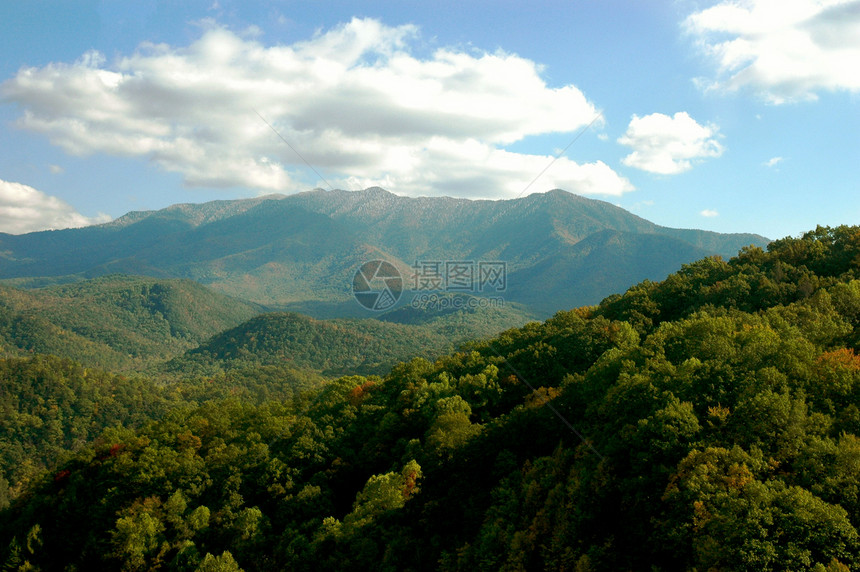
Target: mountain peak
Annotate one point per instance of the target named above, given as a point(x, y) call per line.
point(305, 248)
point(377, 191)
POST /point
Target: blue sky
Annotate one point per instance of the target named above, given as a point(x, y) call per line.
point(730, 116)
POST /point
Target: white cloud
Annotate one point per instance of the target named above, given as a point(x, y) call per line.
point(56, 169)
point(709, 213)
point(773, 162)
point(668, 145)
point(353, 101)
point(25, 209)
point(787, 50)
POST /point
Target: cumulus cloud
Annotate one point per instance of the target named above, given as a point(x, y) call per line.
point(709, 213)
point(668, 145)
point(25, 209)
point(784, 50)
point(354, 101)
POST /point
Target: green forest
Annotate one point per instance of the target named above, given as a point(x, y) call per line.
point(115, 322)
point(708, 421)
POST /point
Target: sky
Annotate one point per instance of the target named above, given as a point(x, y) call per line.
point(732, 116)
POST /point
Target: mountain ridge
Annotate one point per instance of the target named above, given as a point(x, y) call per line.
point(117, 321)
point(303, 248)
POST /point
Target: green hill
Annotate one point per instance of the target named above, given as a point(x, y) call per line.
point(118, 322)
point(708, 421)
point(343, 346)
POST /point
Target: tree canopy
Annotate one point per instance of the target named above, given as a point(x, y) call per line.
point(708, 421)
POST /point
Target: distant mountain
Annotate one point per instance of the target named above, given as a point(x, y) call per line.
point(120, 322)
point(514, 229)
point(301, 251)
point(596, 264)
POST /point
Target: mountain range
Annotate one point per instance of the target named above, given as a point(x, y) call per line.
point(301, 252)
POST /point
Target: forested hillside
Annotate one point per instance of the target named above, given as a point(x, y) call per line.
point(340, 347)
point(709, 421)
point(51, 407)
point(118, 322)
